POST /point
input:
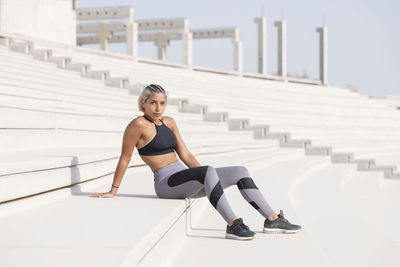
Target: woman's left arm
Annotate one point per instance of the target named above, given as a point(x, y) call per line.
point(183, 152)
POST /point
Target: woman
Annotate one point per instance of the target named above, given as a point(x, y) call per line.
point(157, 139)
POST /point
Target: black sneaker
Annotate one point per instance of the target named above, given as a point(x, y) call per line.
point(280, 226)
point(239, 231)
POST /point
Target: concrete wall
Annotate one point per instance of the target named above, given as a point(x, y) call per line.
point(52, 20)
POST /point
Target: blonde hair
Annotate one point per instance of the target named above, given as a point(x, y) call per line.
point(147, 92)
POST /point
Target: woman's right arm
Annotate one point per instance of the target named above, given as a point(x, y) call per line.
point(131, 137)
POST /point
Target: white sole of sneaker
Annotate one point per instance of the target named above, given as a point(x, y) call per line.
point(231, 236)
point(279, 231)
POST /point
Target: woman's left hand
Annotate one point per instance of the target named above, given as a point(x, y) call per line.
point(107, 194)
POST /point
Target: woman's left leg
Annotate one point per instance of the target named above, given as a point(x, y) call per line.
point(240, 176)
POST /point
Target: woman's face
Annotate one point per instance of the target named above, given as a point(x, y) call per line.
point(155, 105)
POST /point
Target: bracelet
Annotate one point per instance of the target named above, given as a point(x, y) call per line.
point(115, 186)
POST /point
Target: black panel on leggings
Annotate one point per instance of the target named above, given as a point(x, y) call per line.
point(254, 205)
point(183, 176)
point(216, 194)
point(246, 183)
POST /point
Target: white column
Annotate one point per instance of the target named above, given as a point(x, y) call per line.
point(161, 44)
point(187, 39)
point(237, 52)
point(262, 44)
point(104, 37)
point(75, 4)
point(187, 42)
point(131, 34)
point(281, 25)
point(323, 54)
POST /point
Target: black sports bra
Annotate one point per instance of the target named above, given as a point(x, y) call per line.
point(164, 142)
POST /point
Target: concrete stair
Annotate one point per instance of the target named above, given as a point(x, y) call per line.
point(185, 106)
point(60, 141)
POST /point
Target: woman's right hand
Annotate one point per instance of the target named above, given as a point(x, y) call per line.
point(107, 194)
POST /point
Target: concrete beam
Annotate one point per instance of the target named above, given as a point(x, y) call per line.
point(151, 36)
point(94, 27)
point(105, 30)
point(215, 33)
point(95, 39)
point(103, 13)
point(147, 37)
point(162, 24)
point(161, 39)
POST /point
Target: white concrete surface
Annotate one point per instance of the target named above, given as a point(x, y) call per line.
point(349, 218)
point(62, 133)
point(391, 101)
point(302, 110)
point(55, 233)
point(53, 20)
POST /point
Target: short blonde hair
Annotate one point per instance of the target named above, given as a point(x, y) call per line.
point(147, 92)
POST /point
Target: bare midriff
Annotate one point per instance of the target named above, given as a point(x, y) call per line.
point(158, 161)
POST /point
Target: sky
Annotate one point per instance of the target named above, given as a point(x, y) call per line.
point(363, 36)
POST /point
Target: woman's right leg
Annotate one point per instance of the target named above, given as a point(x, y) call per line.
point(189, 182)
point(240, 176)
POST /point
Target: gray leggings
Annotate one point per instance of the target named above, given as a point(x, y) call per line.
point(177, 181)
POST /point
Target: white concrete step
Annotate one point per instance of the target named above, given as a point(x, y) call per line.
point(19, 117)
point(335, 198)
point(72, 228)
point(341, 194)
point(53, 168)
point(319, 99)
point(206, 235)
point(119, 65)
point(125, 245)
point(23, 139)
point(113, 63)
point(44, 70)
point(103, 62)
point(31, 138)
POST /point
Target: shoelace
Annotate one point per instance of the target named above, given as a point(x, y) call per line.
point(244, 227)
point(284, 220)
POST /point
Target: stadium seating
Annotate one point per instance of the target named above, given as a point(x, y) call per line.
point(64, 110)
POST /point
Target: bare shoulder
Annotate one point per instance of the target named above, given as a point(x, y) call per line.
point(136, 124)
point(169, 121)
